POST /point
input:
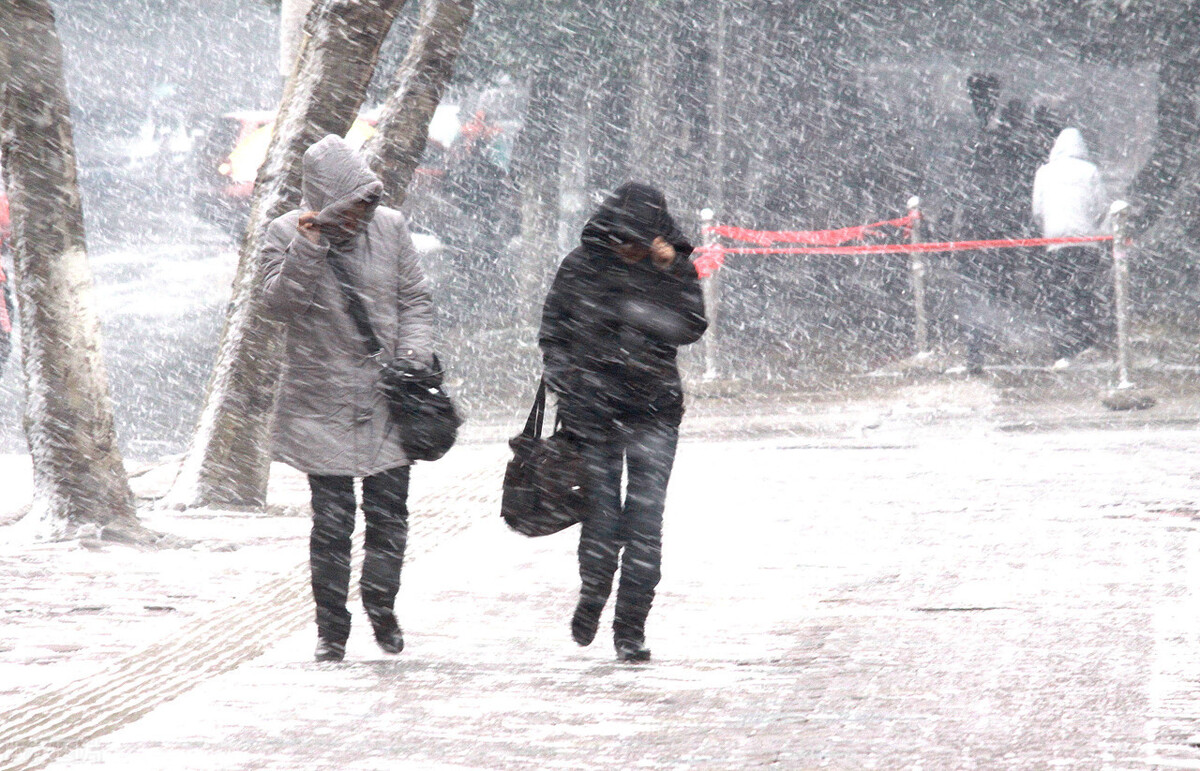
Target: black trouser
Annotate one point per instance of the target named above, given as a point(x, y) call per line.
point(385, 509)
point(1071, 280)
point(628, 533)
point(976, 303)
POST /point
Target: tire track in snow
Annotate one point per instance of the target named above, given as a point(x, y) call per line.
point(65, 718)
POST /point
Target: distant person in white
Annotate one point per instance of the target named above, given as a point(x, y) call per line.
point(1069, 200)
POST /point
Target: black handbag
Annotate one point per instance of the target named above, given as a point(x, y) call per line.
point(546, 482)
point(421, 408)
point(419, 405)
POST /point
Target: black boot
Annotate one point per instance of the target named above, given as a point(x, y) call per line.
point(629, 625)
point(387, 631)
point(390, 642)
point(586, 620)
point(328, 650)
point(632, 651)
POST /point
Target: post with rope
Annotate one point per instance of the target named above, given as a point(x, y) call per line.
point(712, 299)
point(918, 268)
point(1126, 396)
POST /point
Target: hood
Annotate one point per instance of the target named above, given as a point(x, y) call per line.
point(1069, 144)
point(633, 213)
point(336, 175)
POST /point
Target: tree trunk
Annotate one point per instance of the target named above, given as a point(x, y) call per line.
point(713, 361)
point(1178, 128)
point(229, 461)
point(291, 32)
point(538, 156)
point(79, 477)
point(609, 129)
point(1166, 191)
point(575, 195)
point(399, 143)
point(684, 114)
point(653, 124)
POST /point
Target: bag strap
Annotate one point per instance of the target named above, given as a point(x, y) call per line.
point(355, 305)
point(533, 426)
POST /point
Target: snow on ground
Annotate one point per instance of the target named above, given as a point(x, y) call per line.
point(16, 486)
point(72, 607)
point(897, 584)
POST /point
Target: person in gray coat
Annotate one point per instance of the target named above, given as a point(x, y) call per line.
point(331, 420)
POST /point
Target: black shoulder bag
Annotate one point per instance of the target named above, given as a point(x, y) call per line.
point(546, 482)
point(419, 405)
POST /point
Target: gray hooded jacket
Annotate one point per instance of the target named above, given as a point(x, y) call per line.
point(330, 417)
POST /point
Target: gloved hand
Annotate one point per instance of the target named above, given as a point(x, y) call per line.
point(409, 369)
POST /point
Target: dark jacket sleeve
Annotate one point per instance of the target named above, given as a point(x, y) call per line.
point(668, 306)
point(558, 327)
point(674, 236)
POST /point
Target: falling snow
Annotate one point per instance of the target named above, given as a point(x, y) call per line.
point(912, 523)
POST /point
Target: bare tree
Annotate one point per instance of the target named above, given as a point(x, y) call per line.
point(229, 461)
point(539, 151)
point(292, 14)
point(398, 144)
point(1167, 187)
point(79, 476)
point(1159, 177)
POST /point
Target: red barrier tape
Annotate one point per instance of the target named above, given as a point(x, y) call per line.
point(810, 237)
point(708, 259)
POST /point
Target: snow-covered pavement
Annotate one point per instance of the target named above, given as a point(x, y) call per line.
point(897, 591)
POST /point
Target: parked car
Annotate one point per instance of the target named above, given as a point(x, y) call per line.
point(231, 152)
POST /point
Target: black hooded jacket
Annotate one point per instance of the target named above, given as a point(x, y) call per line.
point(610, 330)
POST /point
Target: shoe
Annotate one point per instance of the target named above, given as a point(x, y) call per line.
point(387, 631)
point(630, 651)
point(586, 620)
point(328, 650)
point(390, 642)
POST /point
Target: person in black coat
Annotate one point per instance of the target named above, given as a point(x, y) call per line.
point(621, 304)
point(987, 207)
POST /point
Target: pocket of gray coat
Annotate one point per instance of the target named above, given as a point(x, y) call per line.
point(316, 392)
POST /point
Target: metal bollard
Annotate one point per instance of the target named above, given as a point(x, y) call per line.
point(1125, 396)
point(918, 268)
point(1119, 212)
